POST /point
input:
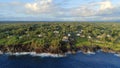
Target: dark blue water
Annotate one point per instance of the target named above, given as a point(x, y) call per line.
point(80, 60)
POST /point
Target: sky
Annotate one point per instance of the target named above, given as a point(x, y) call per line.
point(59, 10)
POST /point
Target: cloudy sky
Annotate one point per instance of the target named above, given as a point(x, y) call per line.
point(59, 10)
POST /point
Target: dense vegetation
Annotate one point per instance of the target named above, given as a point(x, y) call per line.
point(59, 37)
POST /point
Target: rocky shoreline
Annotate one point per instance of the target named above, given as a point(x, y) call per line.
point(52, 50)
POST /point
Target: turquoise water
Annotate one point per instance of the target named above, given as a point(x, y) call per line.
point(80, 60)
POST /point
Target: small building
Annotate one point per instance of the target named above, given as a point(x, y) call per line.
point(20, 37)
point(65, 38)
point(98, 36)
point(56, 32)
point(40, 35)
point(82, 30)
point(9, 36)
point(78, 34)
point(108, 35)
point(82, 36)
point(89, 37)
point(69, 35)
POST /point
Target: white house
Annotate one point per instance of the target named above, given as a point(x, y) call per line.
point(39, 35)
point(89, 37)
point(108, 35)
point(56, 32)
point(69, 35)
point(65, 38)
point(78, 34)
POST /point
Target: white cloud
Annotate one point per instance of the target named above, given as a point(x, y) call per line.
point(106, 5)
point(33, 6)
point(83, 11)
point(94, 11)
point(104, 10)
point(48, 9)
point(40, 6)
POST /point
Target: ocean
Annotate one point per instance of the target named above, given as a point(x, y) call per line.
point(79, 60)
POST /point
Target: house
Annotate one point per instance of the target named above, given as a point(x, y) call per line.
point(108, 36)
point(99, 36)
point(69, 35)
point(56, 32)
point(65, 38)
point(89, 37)
point(9, 36)
point(39, 35)
point(78, 34)
point(82, 36)
point(20, 37)
point(82, 30)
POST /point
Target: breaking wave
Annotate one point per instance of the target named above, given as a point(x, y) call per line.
point(117, 55)
point(90, 53)
point(35, 54)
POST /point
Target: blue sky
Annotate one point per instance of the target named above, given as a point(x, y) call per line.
point(59, 10)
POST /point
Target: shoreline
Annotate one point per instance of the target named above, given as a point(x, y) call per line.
point(55, 55)
point(59, 38)
point(43, 55)
point(84, 49)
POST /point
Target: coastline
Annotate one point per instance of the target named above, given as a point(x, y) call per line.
point(48, 54)
point(59, 38)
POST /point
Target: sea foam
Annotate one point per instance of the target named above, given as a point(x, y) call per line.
point(35, 54)
point(89, 53)
point(117, 55)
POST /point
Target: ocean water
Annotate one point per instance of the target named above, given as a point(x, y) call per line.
point(79, 60)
